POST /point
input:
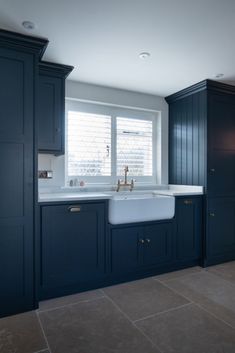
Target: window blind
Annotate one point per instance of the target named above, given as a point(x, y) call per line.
point(89, 144)
point(134, 146)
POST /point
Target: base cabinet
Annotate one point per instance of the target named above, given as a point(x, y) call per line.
point(80, 250)
point(72, 247)
point(221, 230)
point(188, 228)
point(135, 248)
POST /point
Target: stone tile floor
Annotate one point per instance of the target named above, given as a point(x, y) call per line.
point(187, 311)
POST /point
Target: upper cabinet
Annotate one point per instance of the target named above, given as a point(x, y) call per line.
point(51, 107)
point(201, 137)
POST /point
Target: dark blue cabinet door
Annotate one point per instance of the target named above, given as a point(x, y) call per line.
point(126, 249)
point(72, 240)
point(189, 228)
point(221, 148)
point(221, 229)
point(16, 181)
point(50, 114)
point(158, 244)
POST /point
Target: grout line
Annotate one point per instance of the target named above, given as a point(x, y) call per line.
point(200, 306)
point(163, 312)
point(175, 291)
point(41, 351)
point(43, 332)
point(214, 315)
point(132, 322)
point(69, 304)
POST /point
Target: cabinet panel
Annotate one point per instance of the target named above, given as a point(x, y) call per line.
point(221, 227)
point(12, 115)
point(126, 249)
point(189, 228)
point(50, 114)
point(187, 140)
point(72, 245)
point(158, 244)
point(221, 151)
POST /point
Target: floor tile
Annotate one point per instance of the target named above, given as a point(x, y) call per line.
point(93, 327)
point(210, 291)
point(189, 329)
point(142, 298)
point(180, 273)
point(226, 271)
point(70, 299)
point(21, 334)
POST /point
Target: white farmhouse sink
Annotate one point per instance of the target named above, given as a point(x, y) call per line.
point(140, 208)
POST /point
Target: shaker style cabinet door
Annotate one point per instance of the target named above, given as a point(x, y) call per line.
point(72, 247)
point(50, 113)
point(221, 229)
point(189, 228)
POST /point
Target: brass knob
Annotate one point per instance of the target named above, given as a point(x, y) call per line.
point(148, 240)
point(141, 241)
point(212, 170)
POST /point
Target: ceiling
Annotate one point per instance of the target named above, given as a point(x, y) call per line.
point(189, 40)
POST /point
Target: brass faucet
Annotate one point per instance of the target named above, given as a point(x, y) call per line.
point(120, 184)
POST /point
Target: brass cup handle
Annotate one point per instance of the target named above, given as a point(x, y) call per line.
point(74, 209)
point(188, 202)
point(212, 214)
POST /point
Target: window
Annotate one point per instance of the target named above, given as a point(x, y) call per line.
point(102, 140)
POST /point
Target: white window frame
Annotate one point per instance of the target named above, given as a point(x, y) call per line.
point(117, 111)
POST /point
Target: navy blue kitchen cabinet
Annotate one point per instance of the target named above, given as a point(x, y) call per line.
point(158, 244)
point(72, 247)
point(126, 249)
point(221, 144)
point(80, 250)
point(202, 152)
point(19, 56)
point(51, 107)
point(220, 229)
point(136, 247)
point(189, 229)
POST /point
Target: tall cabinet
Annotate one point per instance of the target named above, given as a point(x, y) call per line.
point(19, 57)
point(202, 152)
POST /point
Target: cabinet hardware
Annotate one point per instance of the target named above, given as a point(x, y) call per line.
point(141, 241)
point(188, 202)
point(148, 240)
point(212, 170)
point(212, 214)
point(74, 209)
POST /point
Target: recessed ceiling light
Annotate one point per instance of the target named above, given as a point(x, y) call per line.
point(144, 55)
point(219, 75)
point(30, 26)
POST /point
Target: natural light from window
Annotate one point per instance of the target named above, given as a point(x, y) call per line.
point(101, 141)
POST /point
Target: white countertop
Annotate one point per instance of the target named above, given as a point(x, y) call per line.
point(170, 190)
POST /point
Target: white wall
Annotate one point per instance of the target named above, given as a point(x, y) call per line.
point(88, 92)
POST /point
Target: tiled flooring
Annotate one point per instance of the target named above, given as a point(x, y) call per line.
point(187, 311)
